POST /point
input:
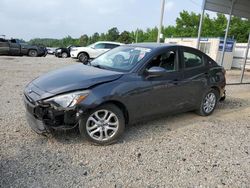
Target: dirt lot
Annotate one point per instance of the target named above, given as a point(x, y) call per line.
point(184, 150)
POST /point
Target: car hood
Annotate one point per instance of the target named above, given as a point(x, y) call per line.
point(74, 77)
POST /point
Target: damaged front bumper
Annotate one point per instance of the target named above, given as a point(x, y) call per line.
point(34, 122)
point(43, 118)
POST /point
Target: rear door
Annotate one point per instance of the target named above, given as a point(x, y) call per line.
point(195, 75)
point(15, 47)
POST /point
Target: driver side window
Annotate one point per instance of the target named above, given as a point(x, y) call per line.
point(166, 60)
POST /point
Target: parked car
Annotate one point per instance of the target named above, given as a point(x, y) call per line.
point(16, 47)
point(51, 51)
point(64, 52)
point(83, 54)
point(125, 85)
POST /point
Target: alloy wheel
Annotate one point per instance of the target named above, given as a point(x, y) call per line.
point(209, 102)
point(83, 58)
point(64, 55)
point(102, 125)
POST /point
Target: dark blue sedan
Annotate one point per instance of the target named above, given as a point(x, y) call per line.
point(127, 84)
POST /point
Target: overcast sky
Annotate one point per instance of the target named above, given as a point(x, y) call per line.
point(58, 18)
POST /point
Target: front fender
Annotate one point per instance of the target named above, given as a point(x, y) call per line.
point(104, 93)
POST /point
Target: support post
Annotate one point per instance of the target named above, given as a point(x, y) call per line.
point(161, 20)
point(245, 60)
point(200, 24)
point(226, 34)
point(136, 36)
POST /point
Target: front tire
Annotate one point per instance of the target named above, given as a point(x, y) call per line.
point(83, 57)
point(208, 103)
point(103, 125)
point(32, 53)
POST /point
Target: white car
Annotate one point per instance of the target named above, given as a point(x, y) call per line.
point(93, 50)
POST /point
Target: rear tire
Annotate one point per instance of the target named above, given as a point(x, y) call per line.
point(32, 53)
point(103, 125)
point(64, 55)
point(83, 57)
point(208, 103)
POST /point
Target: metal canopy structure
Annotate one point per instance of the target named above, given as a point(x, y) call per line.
point(239, 8)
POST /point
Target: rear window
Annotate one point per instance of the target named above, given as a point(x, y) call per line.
point(111, 46)
point(192, 60)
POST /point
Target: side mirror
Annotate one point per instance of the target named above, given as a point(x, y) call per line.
point(155, 72)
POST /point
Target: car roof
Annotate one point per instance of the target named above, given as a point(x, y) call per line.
point(152, 45)
point(110, 42)
point(158, 46)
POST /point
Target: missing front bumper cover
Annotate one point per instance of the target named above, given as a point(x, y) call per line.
point(36, 125)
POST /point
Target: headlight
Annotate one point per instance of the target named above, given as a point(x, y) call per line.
point(68, 100)
point(73, 49)
point(59, 50)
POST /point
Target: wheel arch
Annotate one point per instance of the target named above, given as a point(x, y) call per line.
point(34, 50)
point(216, 88)
point(121, 106)
point(83, 52)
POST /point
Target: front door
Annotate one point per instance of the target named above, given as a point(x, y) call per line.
point(99, 49)
point(15, 48)
point(164, 93)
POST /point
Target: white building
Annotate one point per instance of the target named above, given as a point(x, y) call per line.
point(239, 54)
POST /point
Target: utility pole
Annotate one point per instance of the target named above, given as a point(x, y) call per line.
point(161, 20)
point(245, 61)
point(226, 34)
point(200, 25)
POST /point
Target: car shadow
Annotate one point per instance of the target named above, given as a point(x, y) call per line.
point(133, 132)
point(21, 169)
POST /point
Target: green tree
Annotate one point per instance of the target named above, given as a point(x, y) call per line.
point(95, 37)
point(239, 29)
point(187, 24)
point(125, 37)
point(151, 35)
point(220, 23)
point(102, 37)
point(113, 34)
point(169, 31)
point(83, 40)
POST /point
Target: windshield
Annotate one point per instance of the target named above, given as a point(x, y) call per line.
point(122, 58)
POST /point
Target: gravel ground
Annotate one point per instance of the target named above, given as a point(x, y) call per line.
point(184, 150)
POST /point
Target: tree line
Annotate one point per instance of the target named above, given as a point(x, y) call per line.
point(187, 25)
